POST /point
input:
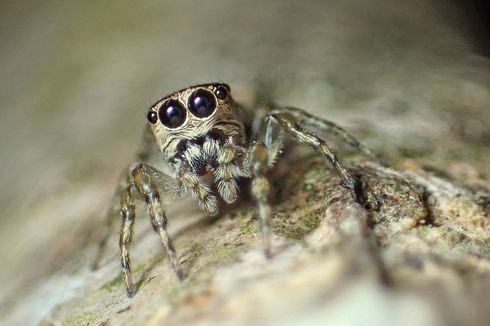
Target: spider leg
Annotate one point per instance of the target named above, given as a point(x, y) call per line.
point(126, 235)
point(272, 135)
point(142, 178)
point(260, 158)
point(200, 191)
point(327, 127)
point(145, 149)
point(225, 174)
point(260, 191)
point(291, 125)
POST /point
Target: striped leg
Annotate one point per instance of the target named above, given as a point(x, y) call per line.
point(142, 179)
point(260, 192)
point(126, 235)
point(200, 191)
point(291, 125)
point(326, 127)
point(146, 148)
point(225, 174)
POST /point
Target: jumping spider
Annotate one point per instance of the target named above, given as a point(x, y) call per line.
point(201, 133)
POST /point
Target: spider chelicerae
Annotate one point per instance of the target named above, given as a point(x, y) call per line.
point(210, 142)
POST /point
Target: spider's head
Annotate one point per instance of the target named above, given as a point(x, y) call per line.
point(192, 113)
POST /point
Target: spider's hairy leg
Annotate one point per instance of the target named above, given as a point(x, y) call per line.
point(145, 148)
point(272, 135)
point(260, 191)
point(200, 191)
point(126, 235)
point(143, 179)
point(328, 127)
point(291, 125)
point(225, 174)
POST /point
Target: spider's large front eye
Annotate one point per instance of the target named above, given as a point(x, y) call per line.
point(172, 114)
point(202, 103)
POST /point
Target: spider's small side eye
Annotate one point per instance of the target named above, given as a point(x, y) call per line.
point(172, 114)
point(221, 92)
point(202, 103)
point(152, 117)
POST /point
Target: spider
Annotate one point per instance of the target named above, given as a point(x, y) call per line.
point(210, 142)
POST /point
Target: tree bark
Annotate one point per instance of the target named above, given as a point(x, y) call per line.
point(411, 246)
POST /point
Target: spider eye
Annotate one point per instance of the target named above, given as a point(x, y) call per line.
point(172, 114)
point(202, 103)
point(221, 92)
point(152, 117)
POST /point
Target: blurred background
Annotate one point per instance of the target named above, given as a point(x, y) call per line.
point(411, 79)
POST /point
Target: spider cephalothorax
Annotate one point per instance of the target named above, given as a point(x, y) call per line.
point(193, 113)
point(201, 133)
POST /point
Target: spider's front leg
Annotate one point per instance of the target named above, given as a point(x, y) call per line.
point(292, 126)
point(145, 149)
point(143, 179)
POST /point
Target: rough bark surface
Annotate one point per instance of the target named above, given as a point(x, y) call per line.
point(411, 247)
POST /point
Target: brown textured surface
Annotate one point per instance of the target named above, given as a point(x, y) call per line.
point(412, 247)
